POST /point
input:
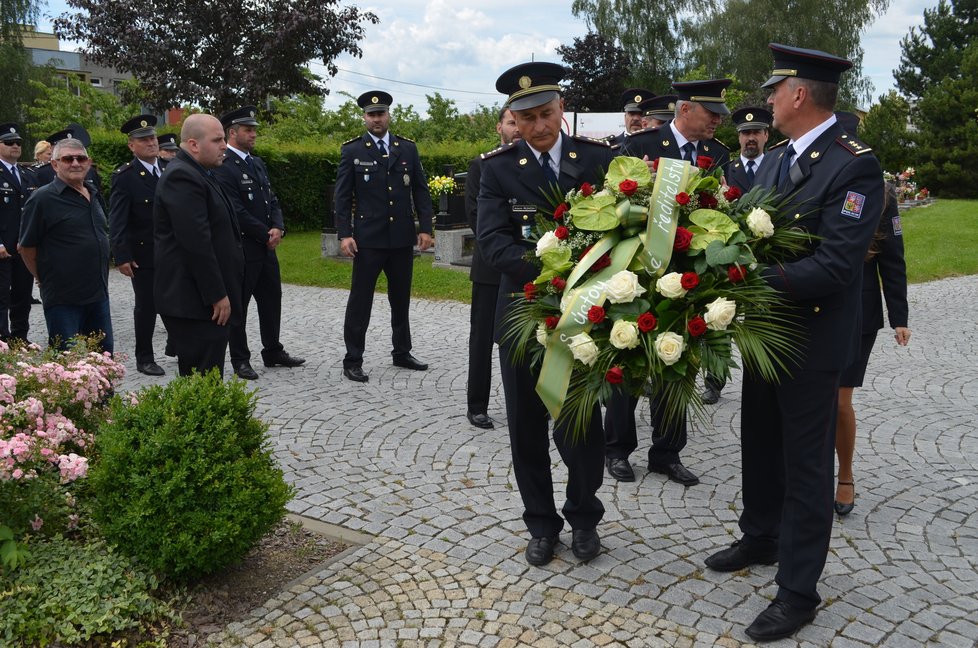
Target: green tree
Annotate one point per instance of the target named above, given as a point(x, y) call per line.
point(885, 129)
point(598, 71)
point(934, 52)
point(15, 63)
point(64, 99)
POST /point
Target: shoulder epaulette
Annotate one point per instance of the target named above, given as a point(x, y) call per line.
point(590, 140)
point(650, 129)
point(496, 151)
point(716, 141)
point(351, 141)
point(41, 165)
point(853, 145)
point(123, 167)
point(779, 144)
point(406, 139)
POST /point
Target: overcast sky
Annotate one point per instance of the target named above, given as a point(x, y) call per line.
point(459, 47)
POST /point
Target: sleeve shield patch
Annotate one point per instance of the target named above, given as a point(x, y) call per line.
point(853, 206)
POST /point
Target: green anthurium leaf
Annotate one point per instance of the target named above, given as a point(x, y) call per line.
point(710, 225)
point(719, 254)
point(627, 168)
point(557, 259)
point(595, 215)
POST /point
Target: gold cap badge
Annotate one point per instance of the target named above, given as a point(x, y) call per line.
point(525, 82)
point(749, 116)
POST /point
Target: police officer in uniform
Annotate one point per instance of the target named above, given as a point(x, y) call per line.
point(131, 230)
point(658, 110)
point(168, 146)
point(700, 106)
point(514, 186)
point(244, 178)
point(380, 186)
point(833, 188)
point(630, 100)
point(753, 126)
point(16, 281)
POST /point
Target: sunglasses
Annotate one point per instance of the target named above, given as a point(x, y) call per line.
point(12, 142)
point(68, 159)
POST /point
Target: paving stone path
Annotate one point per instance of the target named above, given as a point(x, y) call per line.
point(396, 459)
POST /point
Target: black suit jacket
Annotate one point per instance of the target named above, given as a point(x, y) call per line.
point(737, 174)
point(131, 213)
point(886, 270)
point(376, 198)
point(835, 191)
point(12, 201)
point(658, 141)
point(481, 271)
point(255, 204)
point(197, 243)
point(512, 191)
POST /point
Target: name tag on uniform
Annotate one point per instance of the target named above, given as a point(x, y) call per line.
point(526, 214)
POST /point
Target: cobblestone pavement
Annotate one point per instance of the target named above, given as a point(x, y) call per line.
point(395, 458)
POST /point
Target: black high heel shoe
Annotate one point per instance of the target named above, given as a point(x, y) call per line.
point(845, 509)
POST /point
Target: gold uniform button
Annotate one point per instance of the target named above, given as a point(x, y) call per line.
point(392, 219)
point(392, 203)
point(797, 216)
point(816, 309)
point(526, 217)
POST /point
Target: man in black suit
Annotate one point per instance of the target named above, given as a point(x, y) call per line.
point(131, 230)
point(630, 100)
point(700, 107)
point(199, 262)
point(380, 186)
point(516, 182)
point(16, 281)
point(485, 289)
point(244, 178)
point(833, 188)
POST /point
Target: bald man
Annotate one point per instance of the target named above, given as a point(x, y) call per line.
point(199, 262)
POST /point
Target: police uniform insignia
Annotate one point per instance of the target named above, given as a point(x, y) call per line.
point(142, 173)
point(665, 142)
point(407, 179)
point(143, 123)
point(814, 155)
point(356, 161)
point(706, 148)
point(350, 141)
point(525, 82)
point(396, 143)
point(672, 106)
point(374, 100)
point(749, 117)
point(897, 227)
point(853, 206)
point(251, 113)
point(13, 130)
point(572, 155)
point(244, 175)
point(522, 161)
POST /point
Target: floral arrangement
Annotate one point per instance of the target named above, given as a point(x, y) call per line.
point(441, 186)
point(651, 277)
point(50, 403)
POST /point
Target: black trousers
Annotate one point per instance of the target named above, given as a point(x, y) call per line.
point(481, 321)
point(788, 458)
point(621, 437)
point(263, 281)
point(529, 438)
point(16, 288)
point(144, 313)
point(397, 264)
point(200, 345)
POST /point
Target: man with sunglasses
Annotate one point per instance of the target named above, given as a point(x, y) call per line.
point(16, 282)
point(64, 242)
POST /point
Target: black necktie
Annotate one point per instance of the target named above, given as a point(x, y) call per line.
point(156, 171)
point(250, 162)
point(13, 172)
point(785, 164)
point(689, 152)
point(750, 171)
point(547, 169)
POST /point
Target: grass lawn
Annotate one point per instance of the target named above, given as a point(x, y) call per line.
point(301, 260)
point(941, 240)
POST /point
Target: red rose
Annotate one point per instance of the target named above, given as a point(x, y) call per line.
point(558, 283)
point(615, 376)
point(704, 162)
point(587, 189)
point(552, 321)
point(707, 200)
point(696, 326)
point(682, 240)
point(646, 322)
point(530, 290)
point(628, 187)
point(596, 314)
point(689, 280)
point(655, 164)
point(732, 193)
point(561, 210)
point(682, 198)
point(603, 262)
point(736, 274)
point(562, 232)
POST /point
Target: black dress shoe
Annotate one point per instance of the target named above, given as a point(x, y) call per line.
point(677, 472)
point(620, 469)
point(245, 371)
point(409, 362)
point(540, 551)
point(281, 359)
point(741, 555)
point(480, 420)
point(841, 508)
point(149, 368)
point(711, 395)
point(356, 374)
point(585, 543)
point(778, 621)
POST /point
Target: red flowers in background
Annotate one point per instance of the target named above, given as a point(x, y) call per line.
point(560, 211)
point(683, 237)
point(562, 232)
point(530, 291)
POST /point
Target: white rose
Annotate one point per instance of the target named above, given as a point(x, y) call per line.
point(671, 285)
point(759, 222)
point(542, 334)
point(583, 348)
point(719, 313)
point(624, 335)
point(669, 347)
point(546, 243)
point(623, 287)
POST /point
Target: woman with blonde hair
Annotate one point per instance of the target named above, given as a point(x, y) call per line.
point(42, 152)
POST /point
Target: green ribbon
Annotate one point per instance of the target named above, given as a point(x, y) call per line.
point(660, 231)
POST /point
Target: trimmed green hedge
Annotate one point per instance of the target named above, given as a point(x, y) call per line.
point(300, 173)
